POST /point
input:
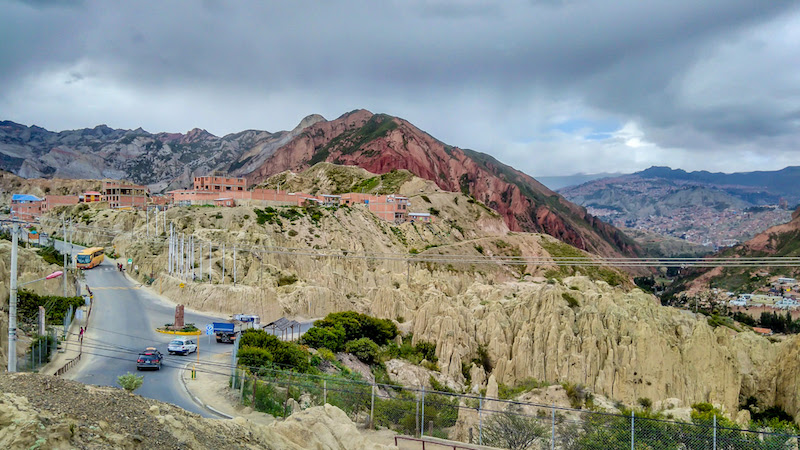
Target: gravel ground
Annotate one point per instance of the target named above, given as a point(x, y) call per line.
point(45, 412)
point(96, 414)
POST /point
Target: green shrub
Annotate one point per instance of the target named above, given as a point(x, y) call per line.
point(331, 338)
point(285, 280)
point(283, 353)
point(254, 357)
point(433, 211)
point(572, 302)
point(425, 197)
point(292, 233)
point(357, 325)
point(130, 381)
point(577, 394)
point(326, 354)
point(645, 402)
point(528, 384)
point(364, 349)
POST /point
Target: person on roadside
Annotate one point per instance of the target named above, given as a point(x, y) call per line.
point(80, 335)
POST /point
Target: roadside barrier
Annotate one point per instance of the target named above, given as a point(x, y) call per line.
point(70, 364)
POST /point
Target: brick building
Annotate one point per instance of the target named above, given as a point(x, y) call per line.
point(26, 207)
point(219, 184)
point(122, 195)
point(53, 201)
point(92, 196)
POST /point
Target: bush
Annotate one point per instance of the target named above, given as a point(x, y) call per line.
point(130, 381)
point(285, 280)
point(364, 349)
point(56, 307)
point(331, 338)
point(645, 402)
point(572, 302)
point(512, 431)
point(326, 354)
point(356, 326)
point(577, 394)
point(283, 353)
point(254, 357)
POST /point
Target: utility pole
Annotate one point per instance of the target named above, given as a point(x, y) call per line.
point(147, 222)
point(234, 265)
point(223, 263)
point(12, 305)
point(64, 232)
point(169, 252)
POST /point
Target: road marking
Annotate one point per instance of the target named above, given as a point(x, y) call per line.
point(114, 287)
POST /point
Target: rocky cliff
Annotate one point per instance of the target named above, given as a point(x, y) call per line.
point(555, 324)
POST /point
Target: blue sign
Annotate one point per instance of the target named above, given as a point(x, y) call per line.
point(209, 329)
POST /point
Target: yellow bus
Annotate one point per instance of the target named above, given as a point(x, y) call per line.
point(90, 257)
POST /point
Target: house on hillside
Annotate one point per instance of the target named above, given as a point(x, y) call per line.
point(26, 207)
point(219, 183)
point(92, 196)
point(122, 195)
point(763, 331)
point(53, 201)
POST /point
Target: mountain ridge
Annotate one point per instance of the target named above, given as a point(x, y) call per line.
point(378, 143)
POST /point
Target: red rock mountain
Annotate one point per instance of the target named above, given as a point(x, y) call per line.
point(381, 143)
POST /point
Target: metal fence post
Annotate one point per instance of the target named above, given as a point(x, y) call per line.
point(553, 432)
point(422, 418)
point(324, 391)
point(480, 422)
point(715, 432)
point(416, 419)
point(633, 428)
point(241, 387)
point(372, 408)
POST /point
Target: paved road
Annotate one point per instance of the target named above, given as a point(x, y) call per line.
point(123, 321)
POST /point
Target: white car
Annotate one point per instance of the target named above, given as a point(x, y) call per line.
point(182, 345)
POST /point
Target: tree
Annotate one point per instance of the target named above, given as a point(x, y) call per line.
point(512, 430)
point(130, 381)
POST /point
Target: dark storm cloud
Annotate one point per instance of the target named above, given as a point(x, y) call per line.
point(692, 75)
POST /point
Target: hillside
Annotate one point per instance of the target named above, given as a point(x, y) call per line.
point(455, 283)
point(378, 143)
point(12, 184)
point(692, 209)
point(779, 241)
point(381, 143)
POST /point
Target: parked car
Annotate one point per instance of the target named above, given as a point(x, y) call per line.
point(182, 345)
point(150, 358)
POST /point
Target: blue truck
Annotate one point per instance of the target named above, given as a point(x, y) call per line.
point(225, 332)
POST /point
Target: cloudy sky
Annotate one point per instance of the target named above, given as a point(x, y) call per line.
point(551, 87)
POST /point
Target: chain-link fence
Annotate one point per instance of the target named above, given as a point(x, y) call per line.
point(495, 422)
point(41, 349)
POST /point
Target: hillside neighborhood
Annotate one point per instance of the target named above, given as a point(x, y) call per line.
point(214, 190)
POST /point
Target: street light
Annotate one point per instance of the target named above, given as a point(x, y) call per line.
point(12, 301)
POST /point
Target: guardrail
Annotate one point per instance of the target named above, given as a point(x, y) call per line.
point(70, 364)
point(424, 441)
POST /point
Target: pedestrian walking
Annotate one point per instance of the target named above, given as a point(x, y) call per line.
point(80, 336)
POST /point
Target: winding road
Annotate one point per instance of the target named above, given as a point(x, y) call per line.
point(123, 322)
